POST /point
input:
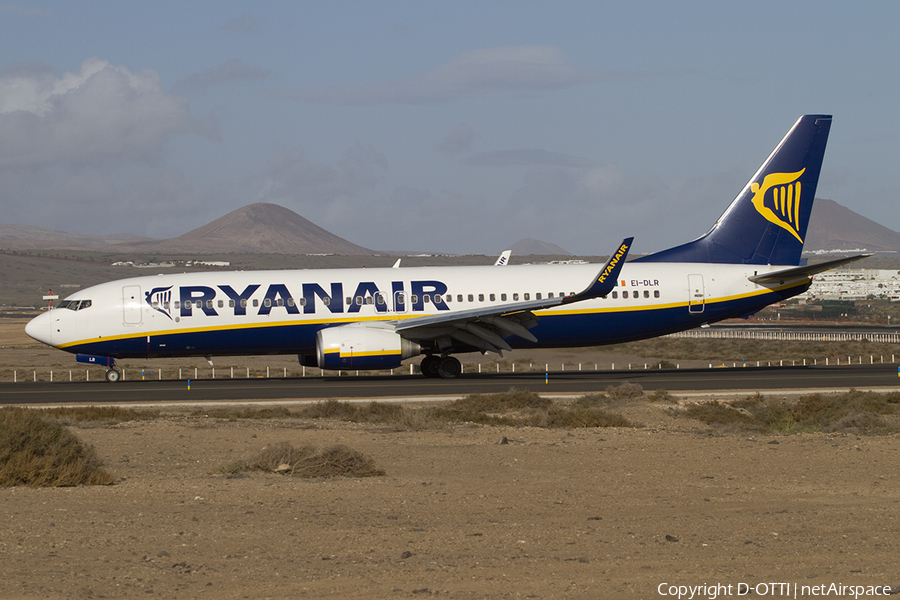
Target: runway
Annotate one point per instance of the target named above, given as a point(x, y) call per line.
point(749, 379)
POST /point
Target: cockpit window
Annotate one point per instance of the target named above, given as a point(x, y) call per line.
point(74, 304)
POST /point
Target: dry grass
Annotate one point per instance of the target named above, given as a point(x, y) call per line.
point(40, 452)
point(98, 415)
point(511, 408)
point(308, 462)
point(854, 412)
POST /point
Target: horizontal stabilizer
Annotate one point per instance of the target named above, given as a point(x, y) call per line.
point(805, 271)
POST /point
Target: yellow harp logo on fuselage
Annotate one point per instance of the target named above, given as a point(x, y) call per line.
point(782, 206)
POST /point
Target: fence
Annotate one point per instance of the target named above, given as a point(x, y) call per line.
point(196, 374)
point(792, 336)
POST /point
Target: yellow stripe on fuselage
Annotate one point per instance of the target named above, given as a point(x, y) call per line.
point(397, 317)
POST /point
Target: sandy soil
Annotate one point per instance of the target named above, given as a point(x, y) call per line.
point(595, 513)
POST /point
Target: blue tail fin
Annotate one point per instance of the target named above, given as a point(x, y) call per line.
point(766, 223)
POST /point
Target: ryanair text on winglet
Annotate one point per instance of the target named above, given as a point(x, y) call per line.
point(610, 267)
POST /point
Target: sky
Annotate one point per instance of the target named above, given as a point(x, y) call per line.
point(457, 127)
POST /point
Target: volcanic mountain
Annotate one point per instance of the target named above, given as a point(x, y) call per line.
point(532, 246)
point(260, 227)
point(835, 227)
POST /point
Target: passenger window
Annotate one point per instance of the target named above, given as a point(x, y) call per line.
point(437, 298)
point(459, 297)
point(155, 304)
point(615, 294)
point(537, 296)
point(646, 293)
point(243, 303)
point(326, 300)
point(370, 300)
point(279, 302)
point(290, 302)
point(493, 297)
point(426, 298)
point(656, 293)
point(255, 302)
point(302, 301)
point(624, 294)
point(221, 304)
point(515, 297)
point(471, 298)
point(267, 302)
point(349, 300)
point(166, 305)
point(199, 304)
point(380, 300)
point(449, 298)
point(231, 303)
point(502, 297)
point(481, 297)
point(414, 299)
point(550, 295)
point(359, 300)
point(527, 296)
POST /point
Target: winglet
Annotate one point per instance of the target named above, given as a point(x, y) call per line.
point(503, 259)
point(605, 280)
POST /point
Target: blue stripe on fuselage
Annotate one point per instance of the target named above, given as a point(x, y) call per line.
point(569, 329)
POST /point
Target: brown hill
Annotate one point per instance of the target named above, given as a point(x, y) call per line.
point(531, 246)
point(29, 237)
point(835, 227)
point(257, 228)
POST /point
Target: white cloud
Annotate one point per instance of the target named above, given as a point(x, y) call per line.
point(232, 70)
point(484, 72)
point(100, 114)
point(245, 24)
point(458, 141)
point(324, 194)
point(528, 158)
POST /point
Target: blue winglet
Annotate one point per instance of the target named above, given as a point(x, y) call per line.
point(606, 278)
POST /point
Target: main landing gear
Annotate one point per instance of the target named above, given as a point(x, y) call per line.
point(443, 367)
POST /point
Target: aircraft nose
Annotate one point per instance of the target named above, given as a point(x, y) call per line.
point(41, 328)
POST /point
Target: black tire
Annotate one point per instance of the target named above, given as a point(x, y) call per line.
point(112, 376)
point(429, 366)
point(449, 368)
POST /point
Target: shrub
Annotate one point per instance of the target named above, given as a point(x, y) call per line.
point(308, 462)
point(626, 391)
point(40, 452)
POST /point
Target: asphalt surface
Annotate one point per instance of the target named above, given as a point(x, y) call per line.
point(749, 379)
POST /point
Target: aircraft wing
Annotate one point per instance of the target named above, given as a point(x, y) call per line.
point(485, 327)
point(804, 271)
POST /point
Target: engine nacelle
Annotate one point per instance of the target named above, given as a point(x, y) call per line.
point(359, 346)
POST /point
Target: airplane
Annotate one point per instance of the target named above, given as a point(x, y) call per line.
point(373, 319)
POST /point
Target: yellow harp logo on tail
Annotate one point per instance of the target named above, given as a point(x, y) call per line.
point(782, 206)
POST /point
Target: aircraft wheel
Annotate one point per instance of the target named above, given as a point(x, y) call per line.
point(112, 376)
point(449, 368)
point(429, 366)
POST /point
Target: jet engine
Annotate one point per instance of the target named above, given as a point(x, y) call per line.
point(362, 346)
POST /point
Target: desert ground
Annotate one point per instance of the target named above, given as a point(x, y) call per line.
point(578, 513)
point(551, 513)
